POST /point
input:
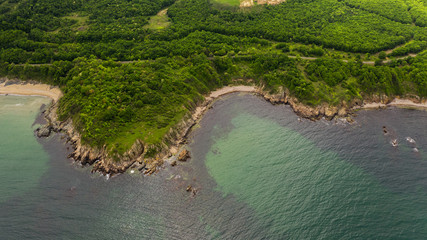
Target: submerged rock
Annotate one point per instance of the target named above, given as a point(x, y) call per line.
point(192, 190)
point(44, 131)
point(385, 131)
point(349, 119)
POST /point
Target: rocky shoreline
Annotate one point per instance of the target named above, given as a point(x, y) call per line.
point(312, 113)
point(100, 159)
point(172, 149)
point(344, 109)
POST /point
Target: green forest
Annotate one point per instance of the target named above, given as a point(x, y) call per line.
point(132, 69)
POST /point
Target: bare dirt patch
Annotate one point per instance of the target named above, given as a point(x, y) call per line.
point(250, 3)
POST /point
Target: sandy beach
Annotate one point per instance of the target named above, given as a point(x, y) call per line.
point(198, 113)
point(37, 89)
point(407, 103)
point(403, 103)
point(372, 105)
point(231, 89)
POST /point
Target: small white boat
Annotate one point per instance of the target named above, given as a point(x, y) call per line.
point(409, 139)
point(415, 150)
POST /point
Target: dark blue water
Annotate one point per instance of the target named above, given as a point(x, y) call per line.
point(260, 174)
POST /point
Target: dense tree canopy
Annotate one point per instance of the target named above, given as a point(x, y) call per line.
point(124, 81)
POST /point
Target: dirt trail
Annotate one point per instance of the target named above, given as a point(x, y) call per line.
point(162, 12)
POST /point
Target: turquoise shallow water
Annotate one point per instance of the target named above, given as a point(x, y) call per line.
point(260, 174)
point(22, 158)
point(301, 191)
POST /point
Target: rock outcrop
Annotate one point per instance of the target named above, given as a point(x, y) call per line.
point(100, 158)
point(184, 155)
point(305, 111)
point(43, 131)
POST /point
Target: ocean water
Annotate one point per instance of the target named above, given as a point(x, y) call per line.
point(260, 173)
point(22, 158)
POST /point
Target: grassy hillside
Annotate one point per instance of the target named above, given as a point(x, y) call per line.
point(228, 2)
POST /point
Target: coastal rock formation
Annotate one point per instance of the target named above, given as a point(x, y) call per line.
point(134, 152)
point(107, 163)
point(153, 165)
point(111, 168)
point(100, 158)
point(43, 131)
point(184, 155)
point(331, 112)
point(313, 113)
point(276, 99)
point(342, 112)
point(306, 111)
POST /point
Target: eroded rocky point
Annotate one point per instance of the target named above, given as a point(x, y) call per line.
point(184, 155)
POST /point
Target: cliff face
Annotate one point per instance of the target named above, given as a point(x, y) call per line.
point(100, 158)
point(312, 113)
point(86, 155)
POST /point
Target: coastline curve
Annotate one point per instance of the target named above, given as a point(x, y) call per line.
point(177, 137)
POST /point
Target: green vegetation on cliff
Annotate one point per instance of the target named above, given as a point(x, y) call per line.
point(130, 70)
